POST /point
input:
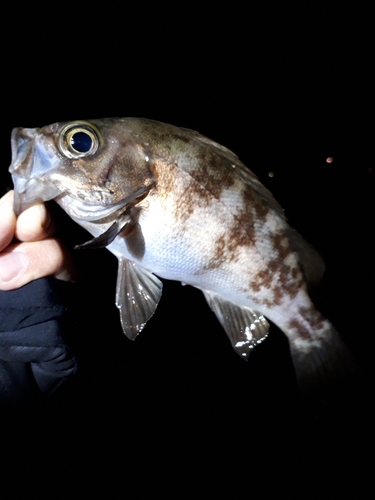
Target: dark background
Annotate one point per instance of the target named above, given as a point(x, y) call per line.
point(177, 409)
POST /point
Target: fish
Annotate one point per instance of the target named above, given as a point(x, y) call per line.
point(171, 203)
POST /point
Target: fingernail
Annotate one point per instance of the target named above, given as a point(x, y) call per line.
point(11, 265)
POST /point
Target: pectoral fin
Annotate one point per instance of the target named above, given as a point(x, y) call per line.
point(108, 236)
point(137, 295)
point(125, 218)
point(245, 328)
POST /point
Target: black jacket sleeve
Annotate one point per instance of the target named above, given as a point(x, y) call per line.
point(34, 356)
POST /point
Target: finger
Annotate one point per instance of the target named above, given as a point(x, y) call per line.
point(7, 220)
point(25, 262)
point(34, 224)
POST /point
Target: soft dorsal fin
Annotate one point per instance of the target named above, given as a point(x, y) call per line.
point(137, 295)
point(312, 264)
point(245, 328)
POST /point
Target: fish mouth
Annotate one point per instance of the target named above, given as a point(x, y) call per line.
point(30, 163)
point(29, 192)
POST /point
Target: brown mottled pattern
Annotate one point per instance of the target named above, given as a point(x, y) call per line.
point(214, 171)
point(307, 320)
point(220, 254)
point(312, 316)
point(259, 206)
point(278, 277)
point(210, 173)
point(198, 181)
point(302, 331)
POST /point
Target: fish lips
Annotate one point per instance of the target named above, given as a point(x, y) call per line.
point(31, 163)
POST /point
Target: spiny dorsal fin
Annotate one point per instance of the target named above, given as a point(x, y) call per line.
point(312, 264)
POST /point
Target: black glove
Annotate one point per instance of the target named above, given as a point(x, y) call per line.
point(34, 357)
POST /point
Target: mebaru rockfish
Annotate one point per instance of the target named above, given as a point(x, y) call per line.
point(170, 202)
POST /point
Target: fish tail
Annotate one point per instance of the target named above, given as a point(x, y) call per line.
point(326, 370)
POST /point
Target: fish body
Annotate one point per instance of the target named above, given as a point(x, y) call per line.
point(169, 202)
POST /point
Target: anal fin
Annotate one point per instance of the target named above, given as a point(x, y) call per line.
point(245, 327)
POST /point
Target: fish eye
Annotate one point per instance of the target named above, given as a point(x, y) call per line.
point(79, 140)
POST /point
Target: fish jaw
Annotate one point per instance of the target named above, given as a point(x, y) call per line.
point(31, 165)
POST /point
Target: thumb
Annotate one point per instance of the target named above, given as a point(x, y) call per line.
point(24, 262)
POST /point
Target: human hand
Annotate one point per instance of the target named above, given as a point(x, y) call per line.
point(33, 319)
point(27, 248)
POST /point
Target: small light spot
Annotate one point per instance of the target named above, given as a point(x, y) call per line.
point(240, 344)
point(271, 174)
point(329, 159)
point(147, 158)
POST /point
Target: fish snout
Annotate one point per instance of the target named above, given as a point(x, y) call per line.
point(22, 141)
point(31, 161)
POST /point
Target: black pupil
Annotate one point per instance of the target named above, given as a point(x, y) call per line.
point(81, 142)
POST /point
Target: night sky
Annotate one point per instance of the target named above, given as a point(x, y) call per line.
point(285, 90)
